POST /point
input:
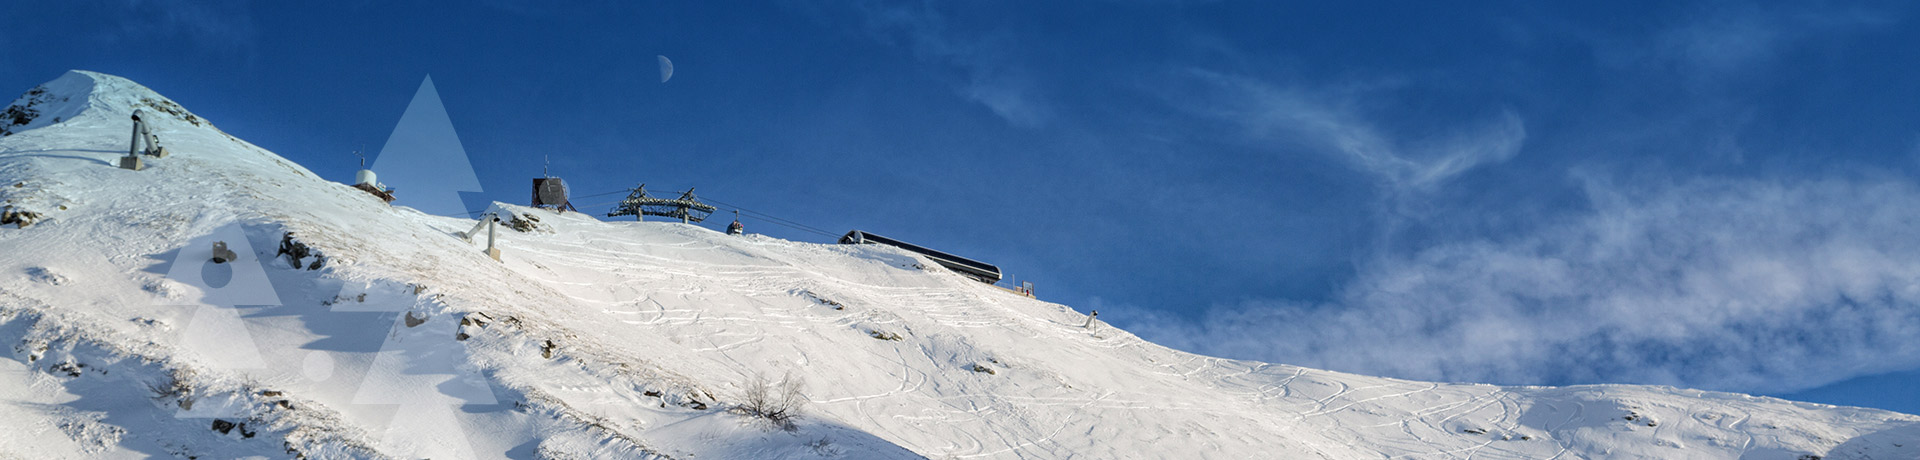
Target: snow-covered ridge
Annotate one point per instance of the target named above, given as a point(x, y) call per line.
point(387, 335)
point(94, 95)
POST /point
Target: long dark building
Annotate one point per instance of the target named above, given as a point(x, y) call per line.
point(979, 271)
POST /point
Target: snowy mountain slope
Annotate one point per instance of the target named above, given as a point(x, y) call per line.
point(633, 339)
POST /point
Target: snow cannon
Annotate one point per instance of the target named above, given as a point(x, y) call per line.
point(221, 254)
point(144, 144)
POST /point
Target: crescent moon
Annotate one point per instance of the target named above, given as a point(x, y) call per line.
point(666, 69)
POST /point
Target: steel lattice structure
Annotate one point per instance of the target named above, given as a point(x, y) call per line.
point(687, 208)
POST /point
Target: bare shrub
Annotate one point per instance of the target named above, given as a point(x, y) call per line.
point(778, 402)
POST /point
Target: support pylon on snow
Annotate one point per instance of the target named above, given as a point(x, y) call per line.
point(488, 220)
point(687, 208)
point(492, 251)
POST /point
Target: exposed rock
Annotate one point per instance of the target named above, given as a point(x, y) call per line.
point(68, 368)
point(20, 218)
point(822, 300)
point(523, 223)
point(297, 252)
point(24, 110)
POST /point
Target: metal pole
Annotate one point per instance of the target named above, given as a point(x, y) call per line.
point(134, 147)
point(484, 218)
point(133, 161)
point(152, 147)
point(491, 251)
point(1090, 316)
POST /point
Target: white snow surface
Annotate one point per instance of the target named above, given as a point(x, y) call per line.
point(595, 339)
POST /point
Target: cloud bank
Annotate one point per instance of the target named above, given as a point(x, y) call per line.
point(1742, 285)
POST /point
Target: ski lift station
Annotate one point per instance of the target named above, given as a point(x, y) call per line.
point(979, 271)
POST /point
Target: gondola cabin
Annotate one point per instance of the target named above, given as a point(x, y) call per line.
point(979, 271)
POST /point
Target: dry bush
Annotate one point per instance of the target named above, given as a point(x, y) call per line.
point(778, 402)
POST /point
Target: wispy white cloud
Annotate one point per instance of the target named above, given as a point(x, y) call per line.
point(1719, 41)
point(1756, 285)
point(1328, 120)
point(990, 77)
point(1744, 285)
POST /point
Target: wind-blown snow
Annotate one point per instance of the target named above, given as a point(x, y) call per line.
point(633, 339)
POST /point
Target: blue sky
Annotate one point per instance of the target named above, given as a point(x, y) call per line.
point(1706, 194)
